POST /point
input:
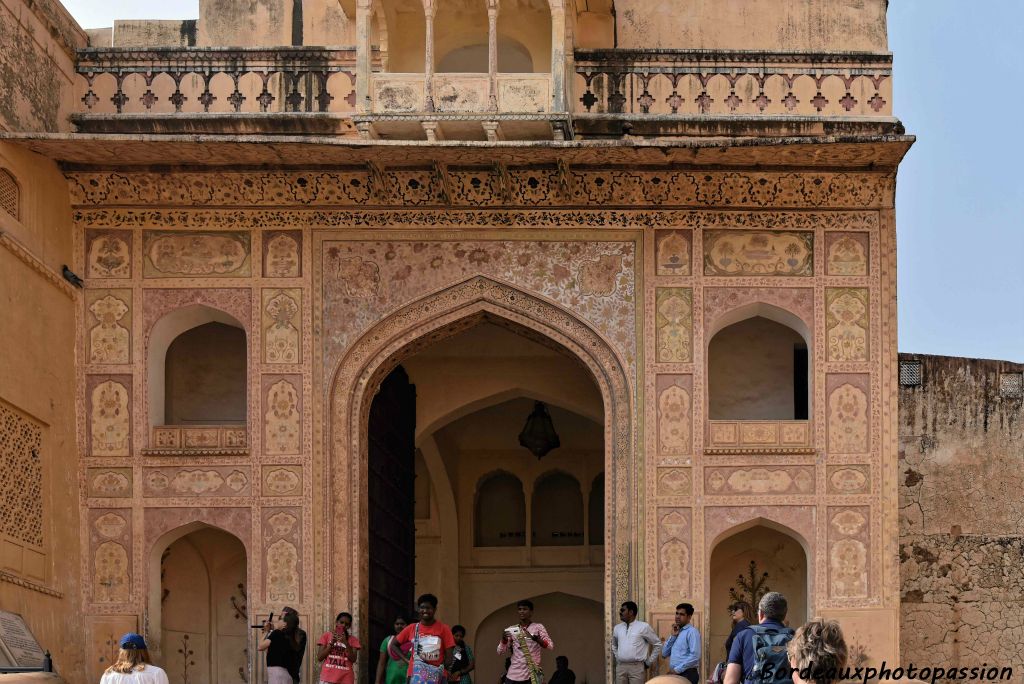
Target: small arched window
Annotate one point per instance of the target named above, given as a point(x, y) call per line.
point(204, 376)
point(557, 511)
point(10, 194)
point(500, 511)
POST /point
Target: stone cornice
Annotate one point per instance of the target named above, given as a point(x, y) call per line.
point(28, 584)
point(33, 262)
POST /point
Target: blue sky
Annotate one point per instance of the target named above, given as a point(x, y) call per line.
point(958, 199)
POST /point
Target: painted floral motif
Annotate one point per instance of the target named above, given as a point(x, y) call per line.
point(236, 481)
point(110, 483)
point(600, 276)
point(848, 523)
point(282, 571)
point(109, 257)
point(744, 253)
point(196, 254)
point(358, 278)
point(847, 255)
point(674, 421)
point(282, 424)
point(848, 565)
point(281, 524)
point(847, 420)
point(847, 324)
point(110, 525)
point(158, 481)
point(108, 339)
point(672, 252)
point(281, 481)
point(365, 280)
point(281, 332)
point(674, 324)
point(110, 428)
point(848, 480)
point(673, 569)
point(673, 481)
point(283, 259)
point(110, 573)
point(196, 481)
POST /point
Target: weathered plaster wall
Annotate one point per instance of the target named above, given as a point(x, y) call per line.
point(245, 23)
point(36, 65)
point(961, 534)
point(40, 536)
point(785, 25)
point(154, 33)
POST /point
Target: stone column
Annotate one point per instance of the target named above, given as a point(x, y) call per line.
point(429, 11)
point(557, 57)
point(363, 57)
point(492, 53)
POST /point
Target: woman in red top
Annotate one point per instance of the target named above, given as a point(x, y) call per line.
point(338, 652)
point(432, 640)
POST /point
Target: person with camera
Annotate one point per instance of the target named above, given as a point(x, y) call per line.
point(525, 641)
point(337, 652)
point(285, 645)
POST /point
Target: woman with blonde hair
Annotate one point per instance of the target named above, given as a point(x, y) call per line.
point(818, 653)
point(133, 666)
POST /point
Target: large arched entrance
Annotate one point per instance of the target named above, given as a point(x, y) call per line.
point(484, 307)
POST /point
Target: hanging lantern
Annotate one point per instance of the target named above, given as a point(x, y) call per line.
point(539, 434)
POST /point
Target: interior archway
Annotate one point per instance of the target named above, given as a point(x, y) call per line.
point(576, 626)
point(775, 550)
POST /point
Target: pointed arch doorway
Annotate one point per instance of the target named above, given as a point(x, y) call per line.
point(415, 328)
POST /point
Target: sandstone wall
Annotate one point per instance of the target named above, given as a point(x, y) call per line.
point(39, 528)
point(37, 43)
point(961, 532)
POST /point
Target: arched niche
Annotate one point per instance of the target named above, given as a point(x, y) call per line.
point(556, 510)
point(197, 583)
point(575, 623)
point(161, 336)
point(499, 511)
point(204, 376)
point(759, 360)
point(773, 549)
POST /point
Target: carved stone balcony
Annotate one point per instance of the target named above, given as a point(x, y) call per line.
point(169, 440)
point(649, 85)
point(759, 436)
point(173, 85)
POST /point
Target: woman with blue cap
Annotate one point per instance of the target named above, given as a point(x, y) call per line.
point(133, 666)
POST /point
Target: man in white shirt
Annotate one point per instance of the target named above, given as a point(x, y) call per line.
point(634, 646)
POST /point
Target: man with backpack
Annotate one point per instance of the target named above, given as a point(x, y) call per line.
point(758, 654)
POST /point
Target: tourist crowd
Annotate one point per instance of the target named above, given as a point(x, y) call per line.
point(428, 651)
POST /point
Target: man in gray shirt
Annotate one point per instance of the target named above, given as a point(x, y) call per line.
point(634, 646)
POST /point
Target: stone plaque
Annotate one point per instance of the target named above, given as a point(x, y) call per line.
point(17, 643)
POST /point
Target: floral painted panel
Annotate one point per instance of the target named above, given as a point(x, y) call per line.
point(750, 253)
point(365, 281)
point(195, 254)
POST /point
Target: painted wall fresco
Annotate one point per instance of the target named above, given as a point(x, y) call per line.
point(743, 253)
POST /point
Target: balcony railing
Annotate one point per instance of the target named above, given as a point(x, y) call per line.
point(215, 80)
point(748, 436)
point(711, 82)
point(199, 439)
point(394, 93)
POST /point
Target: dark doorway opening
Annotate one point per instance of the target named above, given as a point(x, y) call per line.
point(391, 484)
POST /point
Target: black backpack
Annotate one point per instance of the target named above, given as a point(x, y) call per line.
point(771, 662)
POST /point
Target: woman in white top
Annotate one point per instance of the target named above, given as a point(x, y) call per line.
point(133, 666)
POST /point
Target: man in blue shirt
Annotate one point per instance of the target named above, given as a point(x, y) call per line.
point(771, 611)
point(683, 647)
